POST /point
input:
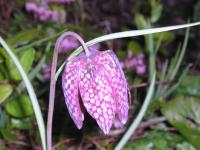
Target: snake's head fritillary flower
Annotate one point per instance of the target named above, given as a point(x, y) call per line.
point(99, 82)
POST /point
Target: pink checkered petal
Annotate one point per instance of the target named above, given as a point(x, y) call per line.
point(96, 94)
point(103, 88)
point(119, 84)
point(122, 92)
point(70, 81)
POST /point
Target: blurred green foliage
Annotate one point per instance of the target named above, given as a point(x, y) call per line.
point(155, 140)
point(184, 114)
point(190, 86)
point(26, 58)
point(5, 91)
point(19, 107)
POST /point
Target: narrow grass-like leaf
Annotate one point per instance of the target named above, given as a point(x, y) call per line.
point(39, 41)
point(162, 79)
point(159, 43)
point(174, 87)
point(59, 71)
point(181, 55)
point(173, 62)
point(31, 93)
point(125, 34)
point(134, 33)
point(175, 65)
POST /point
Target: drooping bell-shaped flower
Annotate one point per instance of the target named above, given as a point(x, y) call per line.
point(99, 82)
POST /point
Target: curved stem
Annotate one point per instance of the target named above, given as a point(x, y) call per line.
point(53, 82)
point(83, 44)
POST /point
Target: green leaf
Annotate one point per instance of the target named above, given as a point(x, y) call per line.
point(121, 54)
point(2, 118)
point(155, 141)
point(7, 135)
point(1, 75)
point(21, 124)
point(172, 88)
point(135, 47)
point(26, 59)
point(185, 146)
point(23, 37)
point(3, 54)
point(184, 114)
point(5, 91)
point(2, 146)
point(156, 10)
point(19, 107)
point(190, 86)
point(1, 59)
point(167, 37)
point(140, 21)
point(156, 13)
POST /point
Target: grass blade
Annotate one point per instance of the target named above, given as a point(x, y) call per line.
point(133, 33)
point(125, 34)
point(31, 93)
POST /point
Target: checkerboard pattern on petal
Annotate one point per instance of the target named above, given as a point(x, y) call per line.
point(70, 81)
point(100, 81)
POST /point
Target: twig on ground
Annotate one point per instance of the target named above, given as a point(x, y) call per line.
point(143, 125)
point(62, 142)
point(95, 143)
point(135, 86)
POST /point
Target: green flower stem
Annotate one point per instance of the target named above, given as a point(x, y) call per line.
point(139, 117)
point(31, 93)
point(152, 55)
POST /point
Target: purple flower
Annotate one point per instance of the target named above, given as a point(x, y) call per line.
point(43, 14)
point(30, 7)
point(95, 46)
point(68, 45)
point(54, 16)
point(136, 63)
point(99, 82)
point(46, 71)
point(141, 69)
